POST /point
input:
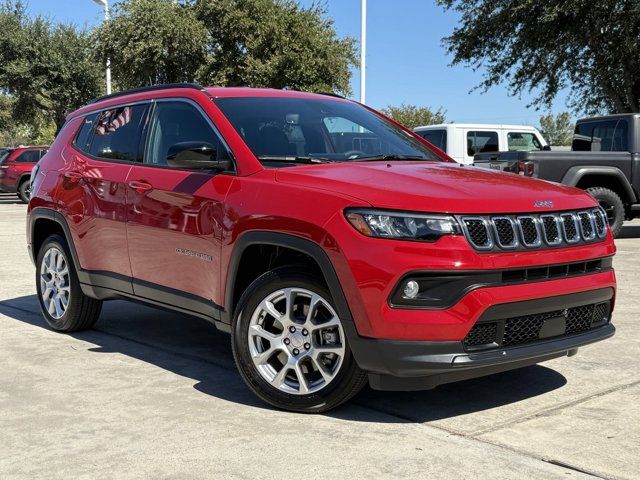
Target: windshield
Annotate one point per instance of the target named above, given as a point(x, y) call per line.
point(295, 129)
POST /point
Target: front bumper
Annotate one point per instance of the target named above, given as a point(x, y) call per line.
point(420, 365)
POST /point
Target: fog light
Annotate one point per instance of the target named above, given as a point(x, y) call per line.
point(411, 289)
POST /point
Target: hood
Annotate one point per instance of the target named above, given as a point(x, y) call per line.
point(436, 187)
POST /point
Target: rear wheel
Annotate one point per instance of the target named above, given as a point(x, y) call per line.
point(289, 344)
point(612, 205)
point(63, 305)
point(24, 191)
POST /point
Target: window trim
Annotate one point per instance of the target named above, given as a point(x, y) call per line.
point(145, 132)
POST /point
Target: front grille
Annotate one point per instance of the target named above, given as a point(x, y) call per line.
point(505, 232)
point(586, 225)
point(533, 231)
point(477, 232)
point(482, 334)
point(529, 231)
point(526, 329)
point(600, 222)
point(569, 228)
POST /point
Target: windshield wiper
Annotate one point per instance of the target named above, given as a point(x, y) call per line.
point(293, 159)
point(375, 158)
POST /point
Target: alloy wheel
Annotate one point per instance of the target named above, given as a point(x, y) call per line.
point(55, 289)
point(296, 341)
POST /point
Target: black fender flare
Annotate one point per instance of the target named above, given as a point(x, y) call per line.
point(51, 215)
point(308, 247)
point(573, 176)
point(22, 178)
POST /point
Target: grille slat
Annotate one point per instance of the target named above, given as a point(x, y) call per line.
point(527, 328)
point(478, 233)
point(505, 232)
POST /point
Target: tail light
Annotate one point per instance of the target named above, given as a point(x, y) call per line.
point(525, 168)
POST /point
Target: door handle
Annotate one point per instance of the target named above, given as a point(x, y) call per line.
point(140, 186)
point(73, 176)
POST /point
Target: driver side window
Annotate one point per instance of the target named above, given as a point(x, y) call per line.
point(178, 122)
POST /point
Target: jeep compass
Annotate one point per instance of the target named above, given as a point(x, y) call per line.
point(337, 247)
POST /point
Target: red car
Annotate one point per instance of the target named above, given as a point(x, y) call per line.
point(336, 246)
point(15, 169)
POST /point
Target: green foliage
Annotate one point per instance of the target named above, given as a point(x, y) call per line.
point(274, 43)
point(46, 69)
point(558, 129)
point(591, 47)
point(151, 42)
point(412, 116)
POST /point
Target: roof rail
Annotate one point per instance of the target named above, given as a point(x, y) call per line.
point(331, 94)
point(149, 88)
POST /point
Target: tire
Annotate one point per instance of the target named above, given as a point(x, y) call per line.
point(612, 204)
point(81, 312)
point(321, 390)
point(24, 191)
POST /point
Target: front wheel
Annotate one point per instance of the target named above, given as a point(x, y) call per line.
point(290, 346)
point(612, 204)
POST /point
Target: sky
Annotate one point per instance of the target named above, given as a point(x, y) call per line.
point(406, 62)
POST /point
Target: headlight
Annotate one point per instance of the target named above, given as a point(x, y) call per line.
point(402, 226)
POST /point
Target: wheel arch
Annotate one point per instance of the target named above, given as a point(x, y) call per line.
point(607, 177)
point(44, 222)
point(292, 242)
point(23, 178)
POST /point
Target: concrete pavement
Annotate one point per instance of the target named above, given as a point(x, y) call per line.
point(152, 394)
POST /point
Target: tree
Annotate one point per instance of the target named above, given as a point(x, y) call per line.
point(151, 42)
point(45, 69)
point(412, 116)
point(274, 43)
point(544, 46)
point(558, 129)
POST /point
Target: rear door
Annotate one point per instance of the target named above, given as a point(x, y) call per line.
point(93, 190)
point(175, 216)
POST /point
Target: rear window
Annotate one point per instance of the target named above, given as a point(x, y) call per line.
point(435, 137)
point(4, 154)
point(83, 137)
point(481, 142)
point(523, 142)
point(601, 136)
point(29, 156)
point(112, 134)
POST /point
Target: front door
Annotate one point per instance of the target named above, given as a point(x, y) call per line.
point(174, 217)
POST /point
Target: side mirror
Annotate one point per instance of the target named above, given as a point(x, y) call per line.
point(196, 156)
point(546, 148)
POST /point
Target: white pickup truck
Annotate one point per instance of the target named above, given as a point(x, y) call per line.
point(462, 141)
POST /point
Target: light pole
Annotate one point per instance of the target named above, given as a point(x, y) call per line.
point(105, 4)
point(363, 53)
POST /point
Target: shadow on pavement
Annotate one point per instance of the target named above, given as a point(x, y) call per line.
point(193, 348)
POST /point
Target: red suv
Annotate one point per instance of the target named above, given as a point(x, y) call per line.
point(15, 169)
point(336, 246)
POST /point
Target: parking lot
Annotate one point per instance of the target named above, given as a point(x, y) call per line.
point(152, 394)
